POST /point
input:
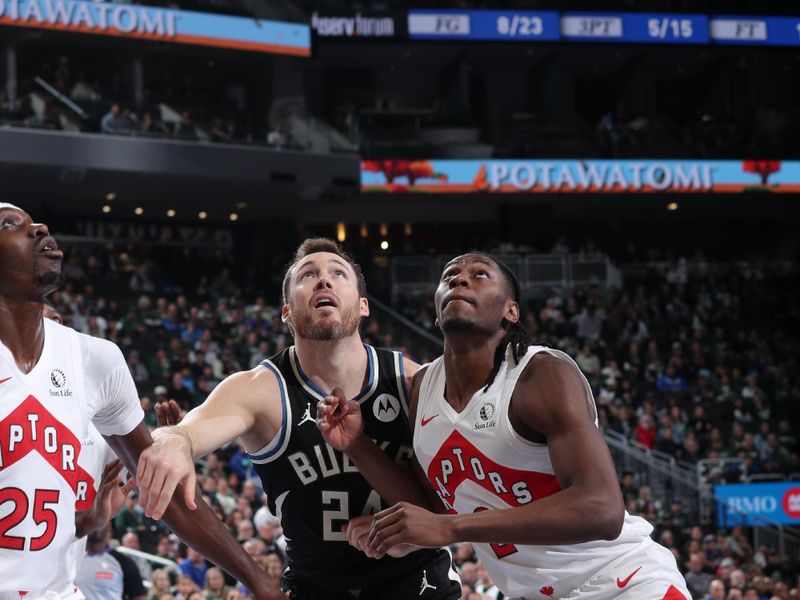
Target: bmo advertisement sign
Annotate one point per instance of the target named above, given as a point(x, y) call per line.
point(747, 503)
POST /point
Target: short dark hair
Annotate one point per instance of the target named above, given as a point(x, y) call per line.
point(314, 245)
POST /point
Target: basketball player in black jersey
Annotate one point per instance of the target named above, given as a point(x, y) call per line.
point(322, 499)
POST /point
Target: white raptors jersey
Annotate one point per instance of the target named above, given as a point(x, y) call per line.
point(476, 461)
point(95, 454)
point(44, 416)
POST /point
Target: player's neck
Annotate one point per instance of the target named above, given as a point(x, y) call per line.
point(468, 360)
point(22, 331)
point(338, 363)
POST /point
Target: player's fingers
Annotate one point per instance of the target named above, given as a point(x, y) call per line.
point(161, 419)
point(144, 474)
point(341, 405)
point(176, 412)
point(129, 486)
point(111, 472)
point(189, 490)
point(379, 526)
point(159, 488)
point(384, 539)
point(324, 407)
point(356, 533)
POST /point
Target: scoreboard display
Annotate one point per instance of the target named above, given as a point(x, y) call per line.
point(600, 26)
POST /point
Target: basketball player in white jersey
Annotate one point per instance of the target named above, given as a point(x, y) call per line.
point(505, 435)
point(53, 382)
point(97, 459)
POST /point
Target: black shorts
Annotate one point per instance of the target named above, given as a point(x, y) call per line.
point(431, 581)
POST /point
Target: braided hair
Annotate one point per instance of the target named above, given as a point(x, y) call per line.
point(516, 335)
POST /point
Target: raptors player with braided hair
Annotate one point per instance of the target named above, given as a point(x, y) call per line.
point(506, 444)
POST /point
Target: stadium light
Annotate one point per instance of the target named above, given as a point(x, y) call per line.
point(672, 206)
point(233, 216)
point(106, 209)
point(341, 232)
point(384, 245)
point(111, 196)
point(171, 212)
point(202, 214)
point(138, 210)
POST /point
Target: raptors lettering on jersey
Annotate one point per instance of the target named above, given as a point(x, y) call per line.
point(31, 428)
point(458, 460)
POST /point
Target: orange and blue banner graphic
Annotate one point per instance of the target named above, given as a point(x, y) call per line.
point(161, 24)
point(582, 176)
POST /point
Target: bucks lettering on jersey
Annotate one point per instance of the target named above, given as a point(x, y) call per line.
point(315, 490)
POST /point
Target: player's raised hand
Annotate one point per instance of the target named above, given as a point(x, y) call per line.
point(161, 468)
point(339, 420)
point(110, 495)
point(405, 527)
point(169, 413)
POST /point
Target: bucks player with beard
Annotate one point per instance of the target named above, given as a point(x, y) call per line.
point(324, 503)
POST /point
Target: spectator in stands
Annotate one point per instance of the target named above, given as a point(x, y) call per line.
point(131, 540)
point(716, 591)
point(114, 121)
point(185, 128)
point(194, 566)
point(101, 561)
point(159, 584)
point(646, 434)
point(184, 587)
point(130, 517)
point(218, 132)
point(215, 588)
point(697, 579)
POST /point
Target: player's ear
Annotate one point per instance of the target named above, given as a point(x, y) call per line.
point(363, 307)
point(511, 313)
point(285, 313)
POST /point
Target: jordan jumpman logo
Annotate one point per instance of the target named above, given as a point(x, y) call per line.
point(425, 584)
point(306, 415)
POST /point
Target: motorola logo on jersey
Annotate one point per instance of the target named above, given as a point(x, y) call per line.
point(386, 408)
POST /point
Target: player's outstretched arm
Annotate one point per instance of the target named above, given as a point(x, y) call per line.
point(340, 423)
point(229, 412)
point(200, 528)
point(550, 398)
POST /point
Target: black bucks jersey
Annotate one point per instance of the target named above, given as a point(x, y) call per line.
point(315, 490)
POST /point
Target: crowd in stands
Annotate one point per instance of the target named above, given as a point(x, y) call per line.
point(697, 364)
point(75, 94)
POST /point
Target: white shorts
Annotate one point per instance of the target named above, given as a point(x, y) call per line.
point(70, 592)
point(647, 573)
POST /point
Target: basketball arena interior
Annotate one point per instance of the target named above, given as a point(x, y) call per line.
point(636, 166)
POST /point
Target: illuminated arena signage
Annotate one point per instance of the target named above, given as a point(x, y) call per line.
point(167, 25)
point(747, 503)
point(355, 26)
point(602, 27)
point(582, 176)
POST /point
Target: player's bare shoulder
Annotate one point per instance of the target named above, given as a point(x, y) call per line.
point(550, 385)
point(255, 397)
